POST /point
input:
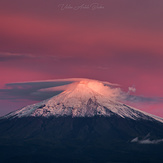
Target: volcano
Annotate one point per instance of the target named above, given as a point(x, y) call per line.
point(85, 123)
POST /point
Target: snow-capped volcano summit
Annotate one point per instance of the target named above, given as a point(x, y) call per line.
point(86, 98)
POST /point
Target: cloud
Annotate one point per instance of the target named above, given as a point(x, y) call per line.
point(29, 90)
point(7, 56)
point(13, 56)
point(36, 90)
point(40, 90)
point(146, 141)
point(131, 89)
point(141, 99)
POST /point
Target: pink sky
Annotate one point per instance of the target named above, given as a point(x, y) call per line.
point(120, 43)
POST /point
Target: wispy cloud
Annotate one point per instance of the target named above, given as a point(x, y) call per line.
point(7, 56)
point(141, 99)
point(4, 56)
point(146, 141)
point(131, 89)
point(29, 90)
point(35, 90)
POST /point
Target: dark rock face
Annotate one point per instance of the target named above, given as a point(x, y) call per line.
point(89, 139)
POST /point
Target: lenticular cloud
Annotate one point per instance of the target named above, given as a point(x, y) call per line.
point(107, 89)
point(41, 90)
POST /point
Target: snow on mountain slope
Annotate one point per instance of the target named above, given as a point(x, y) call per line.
point(86, 98)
